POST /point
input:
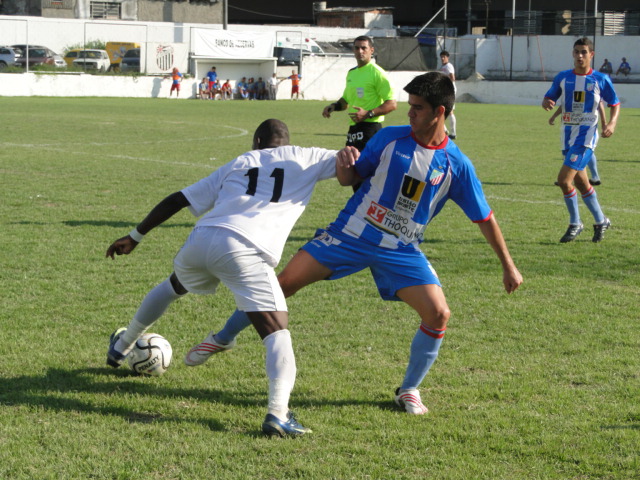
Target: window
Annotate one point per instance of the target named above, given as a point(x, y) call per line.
point(107, 10)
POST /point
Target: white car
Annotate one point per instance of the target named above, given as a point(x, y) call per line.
point(93, 60)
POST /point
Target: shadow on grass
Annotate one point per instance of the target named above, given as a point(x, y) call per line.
point(66, 390)
point(103, 223)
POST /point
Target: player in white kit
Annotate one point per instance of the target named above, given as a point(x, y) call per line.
point(249, 207)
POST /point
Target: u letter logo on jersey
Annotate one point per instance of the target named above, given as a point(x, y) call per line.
point(412, 188)
point(578, 96)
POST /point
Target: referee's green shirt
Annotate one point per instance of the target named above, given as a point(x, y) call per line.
point(368, 87)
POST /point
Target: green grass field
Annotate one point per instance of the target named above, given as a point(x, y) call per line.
point(542, 384)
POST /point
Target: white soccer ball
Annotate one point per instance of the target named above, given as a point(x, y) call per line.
point(151, 355)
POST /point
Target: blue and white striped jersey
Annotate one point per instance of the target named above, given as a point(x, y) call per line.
point(405, 185)
point(579, 97)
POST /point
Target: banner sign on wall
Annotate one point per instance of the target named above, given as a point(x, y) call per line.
point(226, 44)
point(162, 57)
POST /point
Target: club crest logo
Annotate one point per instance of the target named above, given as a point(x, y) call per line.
point(573, 158)
point(436, 177)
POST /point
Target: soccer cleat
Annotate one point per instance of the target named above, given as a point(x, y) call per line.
point(114, 357)
point(572, 232)
point(452, 137)
point(594, 182)
point(598, 230)
point(273, 426)
point(201, 352)
point(410, 400)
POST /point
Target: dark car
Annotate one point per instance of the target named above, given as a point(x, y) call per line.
point(37, 55)
point(287, 56)
point(131, 61)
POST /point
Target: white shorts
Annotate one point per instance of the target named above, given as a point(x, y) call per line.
point(212, 255)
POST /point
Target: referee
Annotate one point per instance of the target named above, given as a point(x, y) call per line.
point(367, 93)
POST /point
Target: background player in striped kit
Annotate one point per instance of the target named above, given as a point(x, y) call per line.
point(408, 173)
point(579, 92)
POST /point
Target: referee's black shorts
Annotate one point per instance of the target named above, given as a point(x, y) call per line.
point(360, 133)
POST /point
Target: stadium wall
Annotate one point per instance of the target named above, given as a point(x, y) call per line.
point(319, 84)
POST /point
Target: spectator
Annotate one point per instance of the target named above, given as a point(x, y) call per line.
point(624, 67)
point(242, 88)
point(261, 89)
point(273, 87)
point(226, 92)
point(176, 80)
point(212, 75)
point(295, 84)
point(606, 67)
point(203, 89)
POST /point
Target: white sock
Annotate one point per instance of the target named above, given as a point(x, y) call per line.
point(452, 119)
point(281, 370)
point(151, 308)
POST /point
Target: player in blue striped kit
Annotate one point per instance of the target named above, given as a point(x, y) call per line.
point(407, 175)
point(579, 92)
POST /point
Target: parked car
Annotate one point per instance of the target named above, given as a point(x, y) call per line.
point(92, 59)
point(38, 55)
point(8, 57)
point(117, 50)
point(287, 56)
point(131, 61)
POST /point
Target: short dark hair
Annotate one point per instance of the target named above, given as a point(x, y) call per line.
point(445, 53)
point(271, 133)
point(435, 88)
point(364, 38)
point(586, 41)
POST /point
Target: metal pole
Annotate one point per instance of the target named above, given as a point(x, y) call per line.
point(513, 27)
point(225, 14)
point(444, 36)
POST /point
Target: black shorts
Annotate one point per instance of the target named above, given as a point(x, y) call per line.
point(360, 133)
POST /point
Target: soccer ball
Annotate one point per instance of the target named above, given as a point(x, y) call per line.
point(151, 355)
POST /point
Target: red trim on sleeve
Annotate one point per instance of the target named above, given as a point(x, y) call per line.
point(485, 219)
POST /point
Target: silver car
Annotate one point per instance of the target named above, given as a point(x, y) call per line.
point(8, 58)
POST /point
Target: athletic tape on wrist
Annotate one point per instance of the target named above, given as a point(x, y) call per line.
point(136, 235)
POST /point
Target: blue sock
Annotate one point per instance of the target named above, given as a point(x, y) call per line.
point(593, 167)
point(591, 201)
point(235, 324)
point(571, 199)
point(424, 351)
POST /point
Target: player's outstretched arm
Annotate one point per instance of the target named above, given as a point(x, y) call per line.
point(345, 160)
point(162, 212)
point(511, 277)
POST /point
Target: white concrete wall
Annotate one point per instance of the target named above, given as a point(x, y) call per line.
point(318, 83)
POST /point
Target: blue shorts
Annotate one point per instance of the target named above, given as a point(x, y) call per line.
point(391, 269)
point(577, 157)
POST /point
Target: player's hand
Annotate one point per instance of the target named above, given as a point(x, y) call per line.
point(512, 279)
point(347, 157)
point(328, 110)
point(548, 104)
point(122, 246)
point(358, 116)
point(608, 129)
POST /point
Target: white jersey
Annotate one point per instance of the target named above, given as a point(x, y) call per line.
point(261, 194)
point(448, 70)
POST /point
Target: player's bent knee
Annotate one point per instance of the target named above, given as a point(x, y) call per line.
point(438, 318)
